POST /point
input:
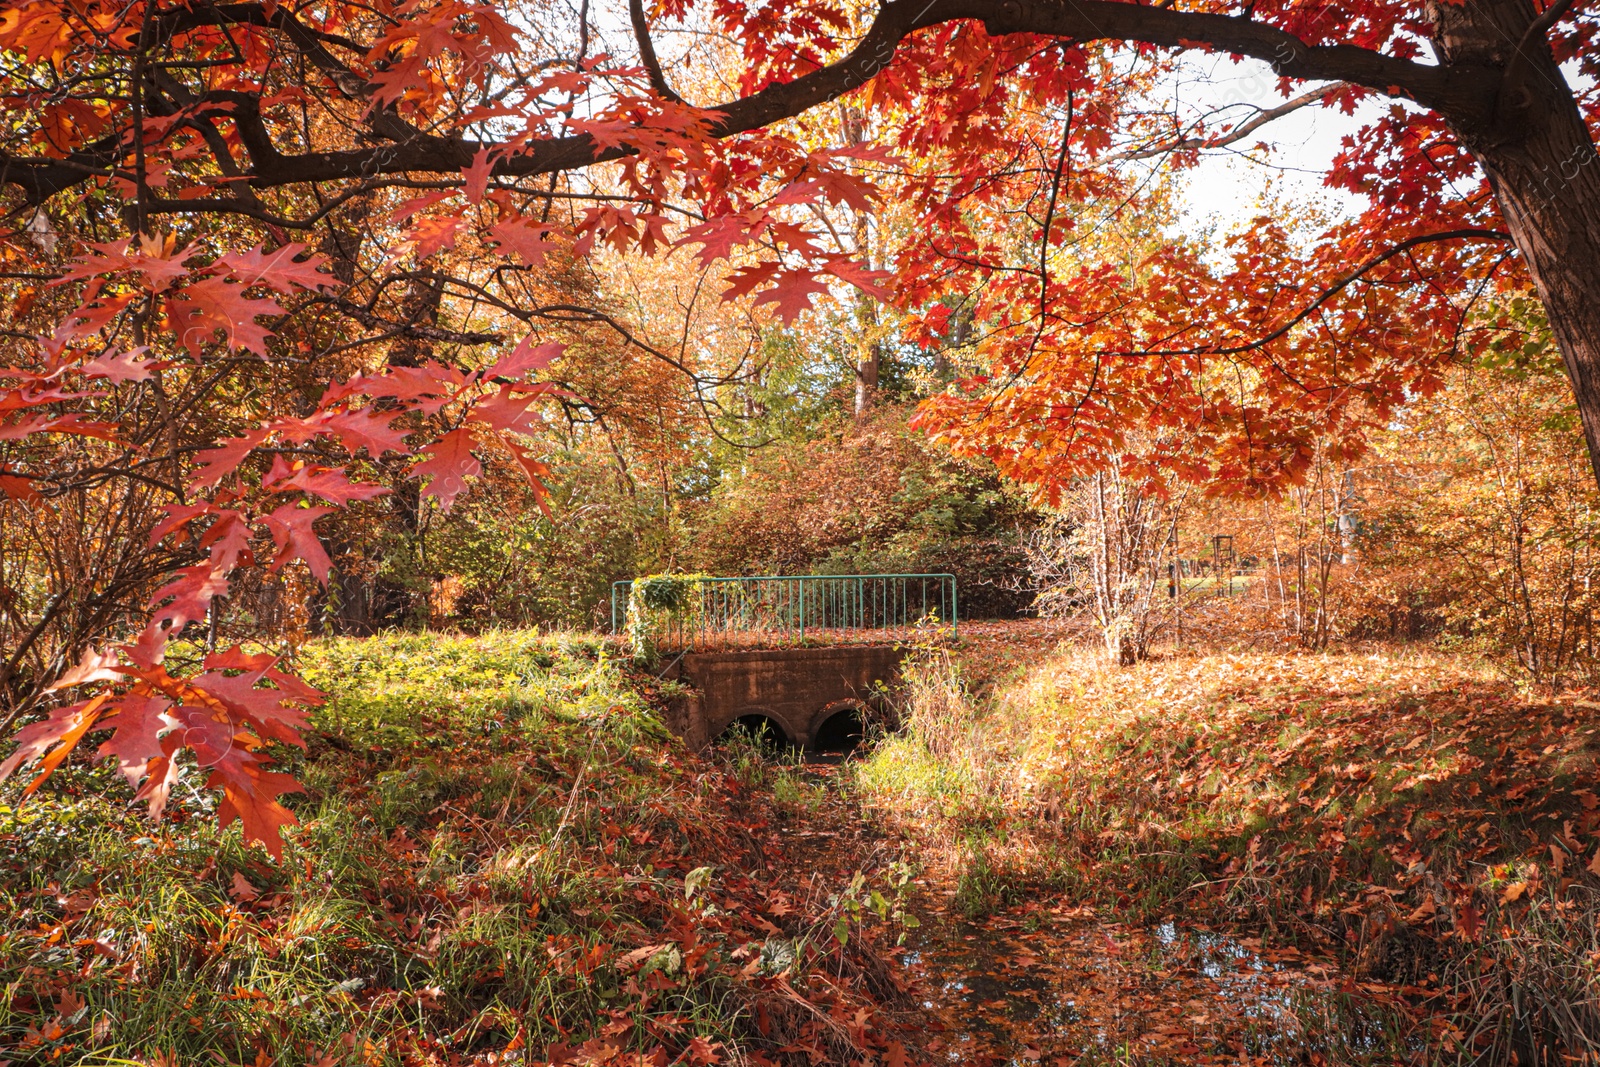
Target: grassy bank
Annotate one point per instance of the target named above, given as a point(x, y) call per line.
point(502, 857)
point(1427, 822)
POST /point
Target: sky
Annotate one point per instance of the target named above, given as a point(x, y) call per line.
point(1224, 189)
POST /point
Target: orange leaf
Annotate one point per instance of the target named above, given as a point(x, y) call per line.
point(250, 795)
point(242, 890)
point(64, 728)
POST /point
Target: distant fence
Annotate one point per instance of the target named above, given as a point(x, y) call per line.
point(692, 613)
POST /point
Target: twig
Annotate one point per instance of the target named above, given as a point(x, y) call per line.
point(572, 798)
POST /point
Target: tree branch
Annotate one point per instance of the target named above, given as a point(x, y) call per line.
point(1463, 94)
point(647, 52)
point(1513, 95)
point(1336, 288)
point(1238, 133)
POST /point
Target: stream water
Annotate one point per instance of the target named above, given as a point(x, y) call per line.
point(1041, 984)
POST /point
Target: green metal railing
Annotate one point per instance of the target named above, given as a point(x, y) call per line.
point(791, 609)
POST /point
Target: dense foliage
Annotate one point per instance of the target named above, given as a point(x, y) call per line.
point(447, 211)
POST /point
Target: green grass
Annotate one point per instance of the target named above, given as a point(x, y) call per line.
point(492, 827)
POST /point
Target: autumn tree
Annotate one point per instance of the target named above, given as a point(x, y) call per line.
point(384, 183)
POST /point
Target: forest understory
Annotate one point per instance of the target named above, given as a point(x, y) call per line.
point(1373, 855)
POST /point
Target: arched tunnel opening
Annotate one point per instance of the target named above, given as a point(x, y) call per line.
point(840, 732)
point(763, 730)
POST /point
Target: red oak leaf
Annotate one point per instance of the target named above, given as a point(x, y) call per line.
point(62, 728)
point(228, 539)
point(477, 175)
point(25, 427)
point(524, 237)
point(792, 294)
point(121, 367)
point(259, 666)
point(369, 430)
point(861, 277)
point(281, 468)
point(210, 733)
point(19, 487)
point(250, 795)
point(720, 236)
point(182, 601)
point(212, 304)
point(449, 464)
point(428, 386)
point(218, 463)
point(161, 270)
point(702, 1051)
point(191, 593)
point(95, 666)
point(420, 203)
point(430, 234)
point(269, 711)
point(72, 423)
point(177, 515)
point(138, 721)
point(331, 484)
point(526, 357)
point(295, 539)
point(745, 279)
point(393, 82)
point(278, 269)
point(162, 776)
point(507, 413)
point(536, 471)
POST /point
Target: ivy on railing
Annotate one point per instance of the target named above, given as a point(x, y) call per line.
point(658, 603)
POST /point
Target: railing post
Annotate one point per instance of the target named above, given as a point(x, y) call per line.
point(616, 603)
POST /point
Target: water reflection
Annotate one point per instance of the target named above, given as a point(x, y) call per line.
point(1034, 986)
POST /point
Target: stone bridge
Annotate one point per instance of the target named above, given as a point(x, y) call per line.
point(811, 697)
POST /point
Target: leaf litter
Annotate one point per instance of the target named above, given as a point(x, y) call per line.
point(1370, 855)
point(507, 822)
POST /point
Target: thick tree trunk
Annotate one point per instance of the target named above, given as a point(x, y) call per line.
point(1542, 164)
point(1549, 192)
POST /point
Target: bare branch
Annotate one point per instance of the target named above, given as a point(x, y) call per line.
point(1237, 134)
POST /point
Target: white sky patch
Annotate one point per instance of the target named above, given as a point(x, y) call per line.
point(1224, 192)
